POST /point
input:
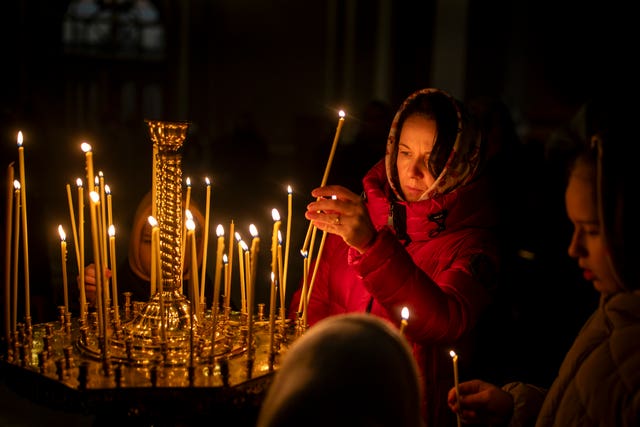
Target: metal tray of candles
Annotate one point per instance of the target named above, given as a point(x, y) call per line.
point(142, 377)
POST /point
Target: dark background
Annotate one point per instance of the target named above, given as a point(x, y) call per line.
point(261, 84)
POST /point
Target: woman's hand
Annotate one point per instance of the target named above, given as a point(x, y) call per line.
point(342, 212)
point(90, 282)
point(481, 403)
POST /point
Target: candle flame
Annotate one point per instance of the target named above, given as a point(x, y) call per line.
point(275, 214)
point(63, 236)
point(152, 221)
point(225, 258)
point(244, 245)
point(289, 189)
point(341, 113)
point(206, 180)
point(253, 230)
point(95, 197)
point(273, 276)
point(219, 230)
point(405, 313)
point(16, 184)
point(188, 182)
point(86, 147)
point(100, 174)
point(107, 190)
point(112, 231)
point(238, 237)
point(96, 180)
point(20, 139)
point(188, 215)
point(453, 354)
point(78, 182)
point(191, 225)
point(279, 237)
point(304, 253)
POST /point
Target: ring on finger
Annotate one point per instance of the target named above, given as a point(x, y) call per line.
point(337, 221)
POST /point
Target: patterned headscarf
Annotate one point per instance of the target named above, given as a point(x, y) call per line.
point(463, 161)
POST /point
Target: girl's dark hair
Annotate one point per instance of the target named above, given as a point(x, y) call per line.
point(437, 106)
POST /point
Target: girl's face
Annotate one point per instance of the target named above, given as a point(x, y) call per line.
point(587, 244)
point(417, 138)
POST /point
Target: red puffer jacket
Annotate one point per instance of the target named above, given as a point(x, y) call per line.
point(442, 268)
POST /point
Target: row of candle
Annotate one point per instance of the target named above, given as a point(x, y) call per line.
point(16, 223)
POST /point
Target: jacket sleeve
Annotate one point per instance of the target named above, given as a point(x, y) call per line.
point(442, 307)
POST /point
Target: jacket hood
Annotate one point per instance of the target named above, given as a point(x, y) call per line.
point(351, 369)
point(462, 164)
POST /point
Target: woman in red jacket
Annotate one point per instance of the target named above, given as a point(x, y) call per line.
point(421, 237)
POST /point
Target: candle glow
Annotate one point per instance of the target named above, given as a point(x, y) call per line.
point(405, 319)
point(63, 252)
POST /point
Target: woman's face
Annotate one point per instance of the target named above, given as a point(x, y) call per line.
point(417, 137)
point(587, 244)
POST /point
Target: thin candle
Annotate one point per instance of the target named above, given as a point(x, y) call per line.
point(107, 191)
point(25, 236)
point(184, 228)
point(454, 357)
point(405, 319)
point(274, 243)
point(227, 284)
point(72, 215)
point(102, 215)
point(255, 248)
point(272, 313)
point(280, 273)
point(327, 168)
point(16, 240)
point(154, 253)
point(225, 262)
point(97, 260)
point(205, 238)
point(287, 242)
point(191, 236)
point(303, 298)
point(89, 164)
point(242, 246)
point(216, 284)
point(63, 258)
point(83, 295)
point(114, 276)
point(7, 253)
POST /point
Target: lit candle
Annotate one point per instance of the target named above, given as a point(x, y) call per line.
point(225, 262)
point(83, 295)
point(184, 228)
point(283, 285)
point(191, 236)
point(114, 276)
point(454, 356)
point(205, 237)
point(242, 247)
point(272, 312)
point(216, 284)
point(154, 253)
point(107, 191)
point(16, 240)
point(63, 254)
point(89, 164)
point(280, 273)
point(274, 244)
point(405, 319)
point(97, 260)
point(7, 253)
point(227, 288)
point(303, 307)
point(72, 215)
point(327, 168)
point(255, 248)
point(25, 237)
